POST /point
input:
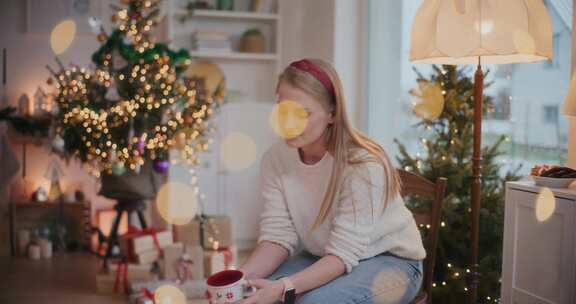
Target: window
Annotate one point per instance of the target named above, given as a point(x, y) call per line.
point(551, 114)
point(527, 96)
point(554, 63)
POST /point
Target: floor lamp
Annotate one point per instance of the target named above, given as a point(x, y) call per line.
point(479, 32)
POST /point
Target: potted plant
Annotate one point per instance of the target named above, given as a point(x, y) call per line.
point(253, 41)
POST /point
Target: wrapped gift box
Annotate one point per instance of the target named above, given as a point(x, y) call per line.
point(218, 260)
point(216, 232)
point(188, 234)
point(196, 255)
point(137, 242)
point(214, 261)
point(147, 257)
point(169, 263)
point(182, 262)
point(113, 280)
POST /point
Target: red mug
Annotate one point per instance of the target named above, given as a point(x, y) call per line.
point(228, 286)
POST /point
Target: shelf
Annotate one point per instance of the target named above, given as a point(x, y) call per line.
point(235, 55)
point(216, 14)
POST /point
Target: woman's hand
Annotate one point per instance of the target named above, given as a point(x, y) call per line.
point(268, 292)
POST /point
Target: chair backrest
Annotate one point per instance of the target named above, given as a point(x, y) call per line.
point(413, 184)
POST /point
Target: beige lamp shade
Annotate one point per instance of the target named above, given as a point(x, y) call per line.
point(570, 102)
point(498, 31)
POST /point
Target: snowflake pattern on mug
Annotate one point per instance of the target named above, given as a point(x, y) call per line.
point(229, 295)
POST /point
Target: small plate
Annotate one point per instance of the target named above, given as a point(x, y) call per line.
point(552, 182)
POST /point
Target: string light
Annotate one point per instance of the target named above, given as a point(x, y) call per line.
point(97, 127)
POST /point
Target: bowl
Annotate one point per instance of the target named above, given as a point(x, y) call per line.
point(553, 182)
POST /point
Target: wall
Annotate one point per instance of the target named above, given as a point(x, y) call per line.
point(349, 41)
point(332, 30)
point(572, 128)
point(326, 29)
point(28, 54)
point(384, 70)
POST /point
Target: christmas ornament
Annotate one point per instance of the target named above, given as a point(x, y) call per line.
point(118, 168)
point(161, 165)
point(58, 143)
point(137, 168)
point(140, 145)
point(101, 37)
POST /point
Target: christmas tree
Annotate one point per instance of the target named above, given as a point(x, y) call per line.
point(447, 109)
point(134, 105)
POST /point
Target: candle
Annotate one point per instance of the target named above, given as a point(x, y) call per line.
point(34, 252)
point(46, 249)
point(23, 241)
point(214, 261)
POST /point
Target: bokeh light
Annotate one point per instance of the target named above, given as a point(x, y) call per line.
point(237, 151)
point(177, 203)
point(545, 205)
point(62, 36)
point(428, 100)
point(389, 286)
point(169, 294)
point(289, 119)
point(210, 72)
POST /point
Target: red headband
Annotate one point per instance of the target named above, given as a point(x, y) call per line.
point(307, 66)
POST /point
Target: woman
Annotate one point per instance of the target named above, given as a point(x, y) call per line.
point(335, 191)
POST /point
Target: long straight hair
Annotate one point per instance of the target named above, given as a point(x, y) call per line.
point(342, 140)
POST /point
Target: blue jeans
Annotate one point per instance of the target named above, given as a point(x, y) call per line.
point(384, 278)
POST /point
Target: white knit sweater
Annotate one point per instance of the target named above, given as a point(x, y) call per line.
point(355, 228)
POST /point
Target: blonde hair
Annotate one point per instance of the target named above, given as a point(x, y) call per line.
point(341, 138)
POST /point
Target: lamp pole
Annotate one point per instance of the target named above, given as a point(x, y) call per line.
point(476, 181)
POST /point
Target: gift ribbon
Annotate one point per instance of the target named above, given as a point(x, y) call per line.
point(148, 294)
point(121, 273)
point(227, 256)
point(134, 232)
point(183, 271)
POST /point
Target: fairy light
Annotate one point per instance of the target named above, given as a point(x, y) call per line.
point(97, 127)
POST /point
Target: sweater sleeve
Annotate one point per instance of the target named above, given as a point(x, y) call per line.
point(275, 223)
point(358, 206)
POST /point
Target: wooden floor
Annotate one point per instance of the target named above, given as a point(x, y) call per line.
point(64, 279)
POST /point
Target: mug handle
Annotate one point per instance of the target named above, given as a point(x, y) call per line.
point(247, 289)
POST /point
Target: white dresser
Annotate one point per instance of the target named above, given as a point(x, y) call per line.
point(539, 258)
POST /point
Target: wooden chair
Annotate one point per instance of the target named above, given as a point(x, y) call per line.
point(413, 184)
